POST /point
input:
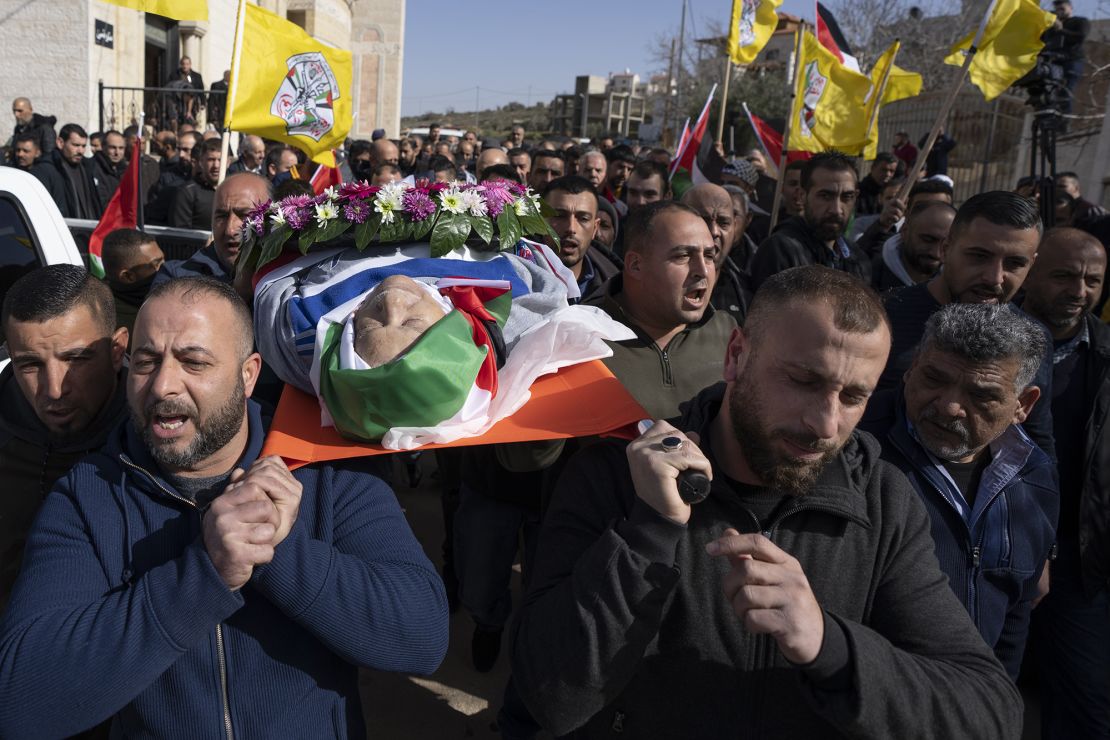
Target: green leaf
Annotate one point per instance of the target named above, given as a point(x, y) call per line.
point(273, 243)
point(483, 227)
point(546, 210)
point(336, 227)
point(508, 228)
point(420, 229)
point(392, 232)
point(366, 231)
point(450, 232)
point(307, 239)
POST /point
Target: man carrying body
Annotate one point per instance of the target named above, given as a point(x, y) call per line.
point(817, 237)
point(62, 392)
point(234, 198)
point(954, 429)
point(575, 221)
point(205, 590)
point(836, 620)
point(1070, 634)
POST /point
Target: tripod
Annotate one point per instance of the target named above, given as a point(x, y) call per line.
point(1046, 125)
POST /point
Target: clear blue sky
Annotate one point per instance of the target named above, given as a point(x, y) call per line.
point(505, 47)
point(529, 51)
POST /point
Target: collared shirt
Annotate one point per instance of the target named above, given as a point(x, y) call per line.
point(1068, 348)
point(1009, 453)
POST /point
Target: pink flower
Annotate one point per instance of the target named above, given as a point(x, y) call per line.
point(360, 189)
point(356, 211)
point(497, 196)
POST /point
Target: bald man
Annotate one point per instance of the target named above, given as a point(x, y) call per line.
point(26, 120)
point(384, 151)
point(232, 202)
point(714, 204)
point(1070, 634)
point(490, 157)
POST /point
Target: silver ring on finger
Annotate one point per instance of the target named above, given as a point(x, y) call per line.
point(671, 443)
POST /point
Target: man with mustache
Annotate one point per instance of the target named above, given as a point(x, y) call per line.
point(61, 393)
point(817, 237)
point(574, 202)
point(954, 429)
point(1070, 634)
point(801, 598)
point(988, 252)
point(185, 586)
point(234, 199)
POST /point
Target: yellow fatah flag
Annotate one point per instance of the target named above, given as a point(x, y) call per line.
point(291, 87)
point(900, 84)
point(1009, 46)
point(753, 22)
point(179, 10)
point(829, 102)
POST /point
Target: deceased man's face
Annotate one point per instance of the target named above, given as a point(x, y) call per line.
point(392, 318)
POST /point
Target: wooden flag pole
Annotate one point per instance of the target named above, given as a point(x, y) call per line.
point(882, 91)
point(945, 109)
point(786, 130)
point(724, 100)
point(229, 105)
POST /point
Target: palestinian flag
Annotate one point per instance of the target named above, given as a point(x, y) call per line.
point(325, 177)
point(832, 38)
point(770, 140)
point(449, 376)
point(689, 145)
point(122, 211)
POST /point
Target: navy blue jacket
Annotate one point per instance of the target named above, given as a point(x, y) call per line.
point(994, 562)
point(120, 613)
point(203, 263)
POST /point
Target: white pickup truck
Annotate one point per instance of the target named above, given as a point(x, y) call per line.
point(33, 233)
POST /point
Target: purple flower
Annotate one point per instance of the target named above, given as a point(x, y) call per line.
point(297, 201)
point(258, 212)
point(497, 196)
point(256, 222)
point(418, 204)
point(356, 211)
point(298, 217)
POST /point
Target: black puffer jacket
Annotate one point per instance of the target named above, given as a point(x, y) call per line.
point(43, 129)
point(626, 632)
point(30, 463)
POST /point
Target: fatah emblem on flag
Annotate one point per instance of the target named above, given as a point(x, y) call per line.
point(305, 100)
point(747, 23)
point(815, 88)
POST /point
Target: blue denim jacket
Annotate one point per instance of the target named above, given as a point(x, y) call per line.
point(993, 551)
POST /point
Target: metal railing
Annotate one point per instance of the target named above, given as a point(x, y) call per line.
point(164, 107)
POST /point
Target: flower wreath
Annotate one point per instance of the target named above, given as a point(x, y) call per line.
point(397, 212)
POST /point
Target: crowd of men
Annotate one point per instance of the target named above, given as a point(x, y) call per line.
point(900, 406)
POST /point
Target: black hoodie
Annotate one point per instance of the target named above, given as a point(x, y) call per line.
point(625, 629)
point(30, 463)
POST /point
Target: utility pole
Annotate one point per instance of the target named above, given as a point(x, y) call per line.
point(667, 103)
point(681, 61)
point(477, 107)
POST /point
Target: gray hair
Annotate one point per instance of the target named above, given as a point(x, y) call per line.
point(740, 194)
point(988, 333)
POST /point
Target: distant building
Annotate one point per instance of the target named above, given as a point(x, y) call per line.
point(599, 105)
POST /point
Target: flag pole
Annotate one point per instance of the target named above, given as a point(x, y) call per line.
point(229, 106)
point(882, 91)
point(946, 108)
point(786, 129)
point(724, 100)
point(140, 215)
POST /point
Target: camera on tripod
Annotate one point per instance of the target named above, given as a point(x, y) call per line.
point(1044, 84)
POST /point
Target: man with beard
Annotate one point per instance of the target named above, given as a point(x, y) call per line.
point(202, 589)
point(989, 250)
point(1070, 635)
point(546, 166)
point(192, 203)
point(80, 196)
point(131, 260)
point(232, 203)
point(61, 394)
point(954, 429)
point(575, 221)
point(800, 599)
point(913, 255)
point(817, 236)
point(619, 163)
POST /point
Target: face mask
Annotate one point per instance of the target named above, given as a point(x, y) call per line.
point(132, 293)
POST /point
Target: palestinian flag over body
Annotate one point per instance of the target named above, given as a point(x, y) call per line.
point(448, 377)
point(832, 38)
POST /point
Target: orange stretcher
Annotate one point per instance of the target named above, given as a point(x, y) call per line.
point(581, 400)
